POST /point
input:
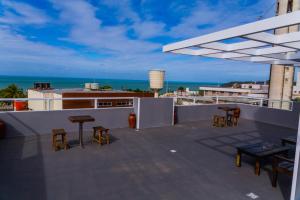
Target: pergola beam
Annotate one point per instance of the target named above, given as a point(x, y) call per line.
point(260, 46)
point(290, 19)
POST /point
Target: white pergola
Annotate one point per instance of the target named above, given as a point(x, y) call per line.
point(258, 45)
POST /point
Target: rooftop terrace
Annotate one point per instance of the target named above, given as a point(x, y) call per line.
point(139, 165)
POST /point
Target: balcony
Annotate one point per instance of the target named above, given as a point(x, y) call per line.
point(190, 160)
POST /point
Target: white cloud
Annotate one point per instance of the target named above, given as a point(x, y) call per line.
point(129, 58)
point(205, 18)
point(124, 9)
point(149, 29)
point(144, 29)
point(21, 13)
point(88, 30)
point(33, 58)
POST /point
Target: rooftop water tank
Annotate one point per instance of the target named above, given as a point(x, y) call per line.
point(156, 79)
point(42, 85)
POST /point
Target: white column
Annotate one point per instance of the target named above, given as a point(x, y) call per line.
point(138, 114)
point(261, 102)
point(95, 103)
point(295, 193)
point(173, 119)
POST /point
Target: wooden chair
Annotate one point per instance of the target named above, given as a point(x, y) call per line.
point(233, 118)
point(101, 134)
point(282, 165)
point(59, 143)
point(219, 121)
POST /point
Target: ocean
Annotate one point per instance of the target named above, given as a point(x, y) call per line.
point(117, 84)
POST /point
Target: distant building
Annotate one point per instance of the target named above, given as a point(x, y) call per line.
point(255, 86)
point(249, 90)
point(186, 92)
point(40, 93)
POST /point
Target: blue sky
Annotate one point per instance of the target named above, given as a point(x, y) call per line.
point(121, 39)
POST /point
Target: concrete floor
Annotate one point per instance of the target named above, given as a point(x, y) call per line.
point(139, 165)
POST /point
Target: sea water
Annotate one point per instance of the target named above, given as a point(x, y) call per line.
point(26, 82)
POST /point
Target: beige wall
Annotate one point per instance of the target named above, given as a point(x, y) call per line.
point(40, 105)
point(36, 104)
point(56, 104)
point(282, 77)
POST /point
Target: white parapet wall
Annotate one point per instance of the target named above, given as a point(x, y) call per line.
point(37, 123)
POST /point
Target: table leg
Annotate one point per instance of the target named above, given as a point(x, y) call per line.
point(80, 135)
point(238, 159)
point(107, 137)
point(257, 167)
point(100, 137)
point(227, 122)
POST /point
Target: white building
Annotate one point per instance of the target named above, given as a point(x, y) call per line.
point(44, 104)
point(254, 86)
point(222, 91)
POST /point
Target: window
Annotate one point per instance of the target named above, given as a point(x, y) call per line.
point(104, 104)
point(123, 103)
point(277, 8)
point(290, 6)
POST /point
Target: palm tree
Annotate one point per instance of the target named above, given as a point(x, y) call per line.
point(181, 89)
point(12, 91)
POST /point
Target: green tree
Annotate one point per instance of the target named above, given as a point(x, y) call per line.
point(106, 87)
point(297, 99)
point(137, 90)
point(181, 89)
point(12, 91)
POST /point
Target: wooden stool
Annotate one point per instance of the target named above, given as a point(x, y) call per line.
point(233, 118)
point(102, 134)
point(219, 121)
point(59, 143)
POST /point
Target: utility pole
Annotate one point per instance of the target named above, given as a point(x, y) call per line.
point(282, 76)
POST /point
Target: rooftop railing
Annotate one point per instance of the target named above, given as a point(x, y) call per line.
point(49, 104)
point(262, 102)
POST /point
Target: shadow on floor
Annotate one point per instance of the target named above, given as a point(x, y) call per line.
point(227, 143)
point(22, 167)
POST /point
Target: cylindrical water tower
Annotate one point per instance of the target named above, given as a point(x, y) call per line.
point(156, 79)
